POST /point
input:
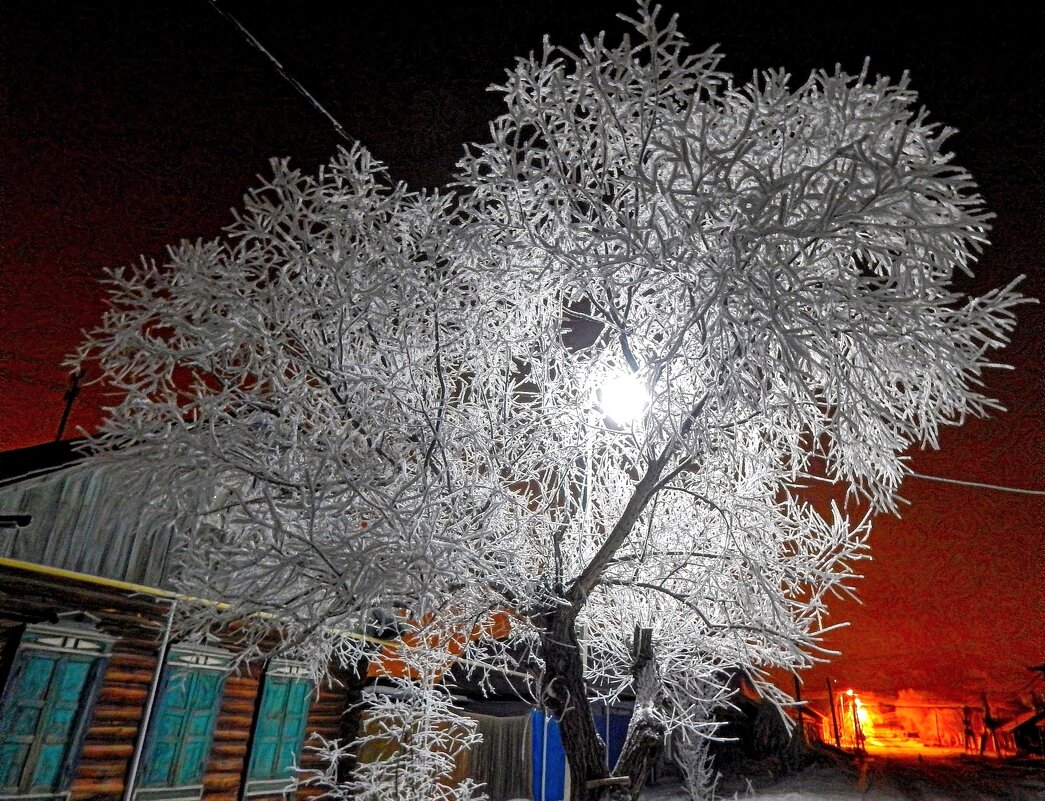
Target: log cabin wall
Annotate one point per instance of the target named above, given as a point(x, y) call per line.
point(87, 549)
point(229, 748)
point(137, 620)
point(137, 624)
point(104, 760)
point(334, 715)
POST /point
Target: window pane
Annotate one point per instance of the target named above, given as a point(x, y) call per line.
point(198, 726)
point(287, 751)
point(262, 759)
point(275, 698)
point(37, 676)
point(161, 756)
point(177, 692)
point(12, 760)
point(48, 765)
point(26, 716)
point(191, 764)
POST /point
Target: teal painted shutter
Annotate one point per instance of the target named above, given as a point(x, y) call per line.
point(293, 726)
point(182, 728)
point(67, 684)
point(266, 733)
point(22, 714)
point(167, 722)
point(38, 722)
point(280, 727)
point(199, 725)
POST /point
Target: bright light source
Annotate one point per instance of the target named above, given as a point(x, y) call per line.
point(624, 398)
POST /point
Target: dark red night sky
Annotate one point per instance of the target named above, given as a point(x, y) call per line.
point(128, 126)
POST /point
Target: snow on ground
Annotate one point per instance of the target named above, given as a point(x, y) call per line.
point(893, 779)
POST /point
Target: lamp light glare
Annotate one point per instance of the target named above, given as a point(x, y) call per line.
point(624, 399)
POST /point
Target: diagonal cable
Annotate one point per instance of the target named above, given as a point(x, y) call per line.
point(978, 484)
point(283, 72)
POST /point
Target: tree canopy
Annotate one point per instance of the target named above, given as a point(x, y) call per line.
point(364, 398)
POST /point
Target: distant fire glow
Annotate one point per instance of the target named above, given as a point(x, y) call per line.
point(912, 721)
point(624, 398)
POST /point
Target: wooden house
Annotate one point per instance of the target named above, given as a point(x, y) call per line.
point(99, 701)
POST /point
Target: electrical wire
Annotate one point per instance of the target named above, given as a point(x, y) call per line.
point(977, 484)
point(298, 87)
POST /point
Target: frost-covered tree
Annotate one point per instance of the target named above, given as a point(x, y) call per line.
point(284, 397)
point(364, 398)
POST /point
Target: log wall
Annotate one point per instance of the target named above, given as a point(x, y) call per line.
point(137, 621)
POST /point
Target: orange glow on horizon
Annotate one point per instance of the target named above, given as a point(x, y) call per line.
point(910, 722)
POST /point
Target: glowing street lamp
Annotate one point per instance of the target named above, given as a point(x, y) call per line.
point(624, 398)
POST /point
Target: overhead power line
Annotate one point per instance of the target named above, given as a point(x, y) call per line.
point(977, 484)
point(284, 74)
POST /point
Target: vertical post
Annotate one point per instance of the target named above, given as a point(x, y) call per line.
point(936, 717)
point(150, 701)
point(857, 731)
point(544, 756)
point(801, 717)
point(834, 715)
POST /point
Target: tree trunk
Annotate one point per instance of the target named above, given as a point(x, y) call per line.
point(646, 732)
point(564, 688)
point(564, 692)
point(565, 695)
point(641, 752)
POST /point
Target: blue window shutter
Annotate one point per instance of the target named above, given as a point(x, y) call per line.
point(294, 726)
point(269, 723)
point(183, 724)
point(280, 727)
point(199, 725)
point(21, 715)
point(67, 685)
point(40, 718)
point(167, 721)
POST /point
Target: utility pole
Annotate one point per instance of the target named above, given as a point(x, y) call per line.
point(70, 396)
point(858, 731)
point(834, 715)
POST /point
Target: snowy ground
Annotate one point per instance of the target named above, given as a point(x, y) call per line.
point(894, 779)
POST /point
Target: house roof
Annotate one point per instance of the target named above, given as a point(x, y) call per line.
point(1032, 716)
point(18, 465)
